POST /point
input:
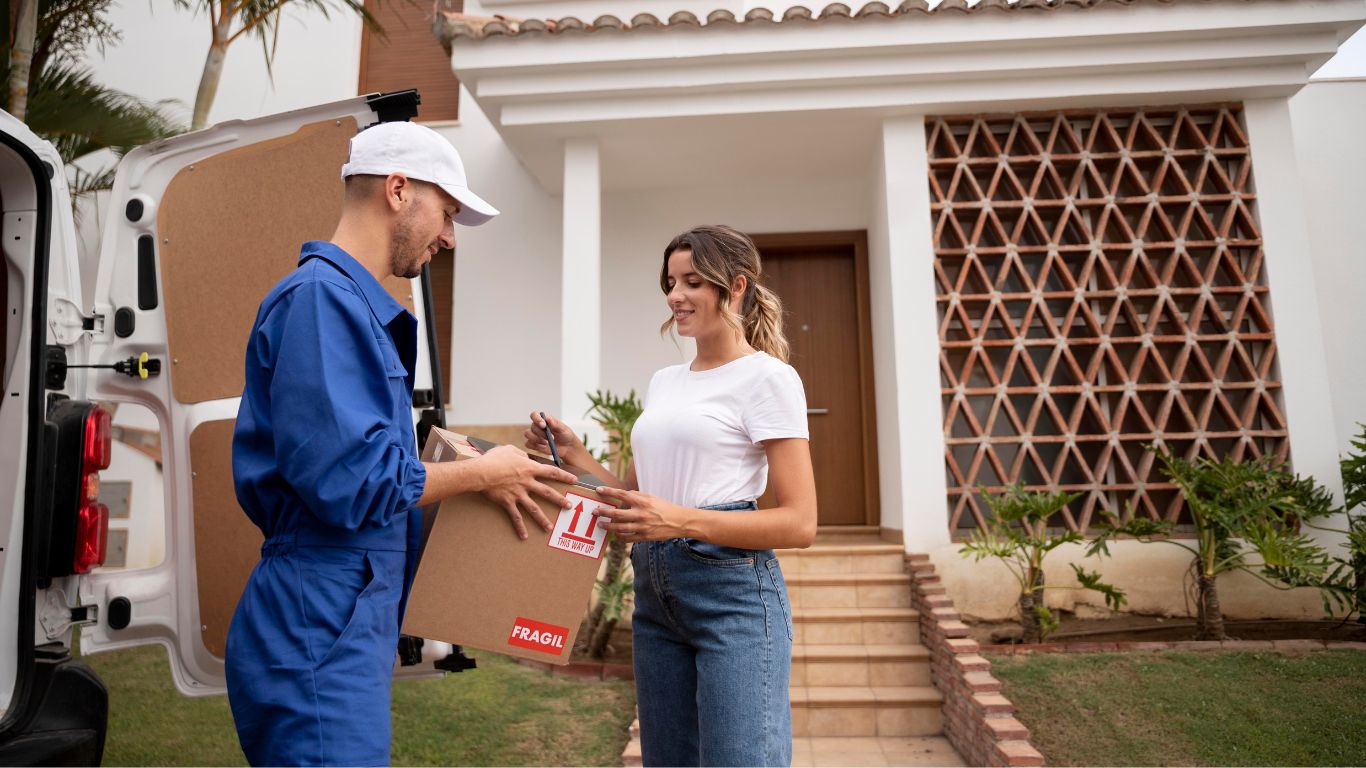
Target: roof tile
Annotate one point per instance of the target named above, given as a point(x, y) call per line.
point(450, 26)
point(683, 18)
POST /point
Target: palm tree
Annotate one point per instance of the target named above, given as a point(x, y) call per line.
point(229, 20)
point(20, 56)
point(64, 104)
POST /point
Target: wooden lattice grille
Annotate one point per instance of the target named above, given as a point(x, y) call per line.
point(1101, 287)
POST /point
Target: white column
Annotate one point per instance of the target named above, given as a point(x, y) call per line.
point(580, 280)
point(906, 341)
point(1302, 356)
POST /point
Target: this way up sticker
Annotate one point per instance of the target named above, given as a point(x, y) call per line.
point(577, 530)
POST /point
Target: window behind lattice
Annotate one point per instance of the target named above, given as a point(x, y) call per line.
point(1101, 287)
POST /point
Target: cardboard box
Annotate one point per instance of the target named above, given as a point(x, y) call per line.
point(480, 586)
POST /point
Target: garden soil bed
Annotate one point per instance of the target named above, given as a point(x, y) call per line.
point(1139, 628)
point(618, 647)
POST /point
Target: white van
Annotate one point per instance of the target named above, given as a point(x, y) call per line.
point(200, 227)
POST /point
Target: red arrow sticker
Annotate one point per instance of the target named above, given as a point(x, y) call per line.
point(578, 530)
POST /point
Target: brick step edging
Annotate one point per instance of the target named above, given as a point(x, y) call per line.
point(978, 720)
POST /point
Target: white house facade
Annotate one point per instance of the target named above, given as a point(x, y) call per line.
point(1019, 242)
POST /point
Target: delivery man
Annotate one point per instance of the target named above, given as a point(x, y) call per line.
point(326, 464)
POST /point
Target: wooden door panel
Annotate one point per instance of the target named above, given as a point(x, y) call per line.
point(818, 286)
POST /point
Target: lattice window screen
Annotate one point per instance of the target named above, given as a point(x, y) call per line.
point(1100, 287)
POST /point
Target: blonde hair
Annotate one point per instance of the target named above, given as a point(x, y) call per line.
point(719, 255)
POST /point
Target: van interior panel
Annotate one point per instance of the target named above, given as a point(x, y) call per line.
point(227, 545)
point(231, 226)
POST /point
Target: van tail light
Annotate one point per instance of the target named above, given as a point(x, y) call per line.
point(92, 517)
point(99, 440)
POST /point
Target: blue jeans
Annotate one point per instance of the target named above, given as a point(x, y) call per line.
point(712, 647)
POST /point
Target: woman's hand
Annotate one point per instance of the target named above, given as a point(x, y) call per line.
point(566, 442)
point(642, 517)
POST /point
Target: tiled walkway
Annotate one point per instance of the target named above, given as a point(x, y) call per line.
point(873, 751)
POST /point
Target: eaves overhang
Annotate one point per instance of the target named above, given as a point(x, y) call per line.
point(592, 80)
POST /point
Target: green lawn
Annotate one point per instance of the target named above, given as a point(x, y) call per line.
point(1234, 708)
point(499, 714)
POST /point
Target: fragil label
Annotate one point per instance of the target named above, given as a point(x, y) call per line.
point(577, 530)
point(538, 636)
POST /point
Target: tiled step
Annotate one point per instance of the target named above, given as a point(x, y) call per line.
point(873, 751)
point(856, 626)
point(831, 534)
point(850, 710)
point(895, 665)
point(844, 558)
point(849, 751)
point(849, 590)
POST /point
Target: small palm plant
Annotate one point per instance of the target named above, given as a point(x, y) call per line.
point(1018, 535)
point(616, 416)
point(1350, 573)
point(1354, 491)
point(1238, 509)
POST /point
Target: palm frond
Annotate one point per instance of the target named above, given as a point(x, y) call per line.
point(80, 116)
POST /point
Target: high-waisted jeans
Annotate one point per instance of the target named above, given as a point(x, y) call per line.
point(712, 646)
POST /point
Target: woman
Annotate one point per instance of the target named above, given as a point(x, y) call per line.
point(712, 628)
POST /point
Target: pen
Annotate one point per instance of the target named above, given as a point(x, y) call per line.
point(550, 438)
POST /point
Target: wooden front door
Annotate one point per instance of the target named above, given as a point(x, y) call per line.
point(823, 282)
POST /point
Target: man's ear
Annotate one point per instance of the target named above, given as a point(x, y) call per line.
point(397, 190)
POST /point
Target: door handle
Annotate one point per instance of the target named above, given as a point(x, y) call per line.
point(817, 411)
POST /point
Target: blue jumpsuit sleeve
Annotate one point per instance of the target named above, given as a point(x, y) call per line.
point(332, 410)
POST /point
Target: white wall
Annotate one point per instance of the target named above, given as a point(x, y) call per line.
point(507, 271)
point(506, 274)
point(1328, 119)
point(906, 340)
point(637, 224)
point(505, 340)
point(507, 313)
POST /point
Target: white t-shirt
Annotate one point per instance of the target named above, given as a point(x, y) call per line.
point(697, 442)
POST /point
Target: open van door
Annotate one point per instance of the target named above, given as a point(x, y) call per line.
point(201, 226)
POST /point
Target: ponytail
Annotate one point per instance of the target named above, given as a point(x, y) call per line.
point(763, 321)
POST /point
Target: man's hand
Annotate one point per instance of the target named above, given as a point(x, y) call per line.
point(511, 480)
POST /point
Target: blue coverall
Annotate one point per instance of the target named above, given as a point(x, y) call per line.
point(325, 463)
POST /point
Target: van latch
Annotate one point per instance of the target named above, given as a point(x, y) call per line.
point(69, 323)
point(54, 375)
point(57, 617)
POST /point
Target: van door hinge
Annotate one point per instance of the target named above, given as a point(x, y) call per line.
point(57, 617)
point(68, 323)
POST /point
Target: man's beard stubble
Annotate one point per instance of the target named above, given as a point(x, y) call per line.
point(405, 255)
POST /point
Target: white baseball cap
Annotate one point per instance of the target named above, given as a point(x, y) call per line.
point(417, 152)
